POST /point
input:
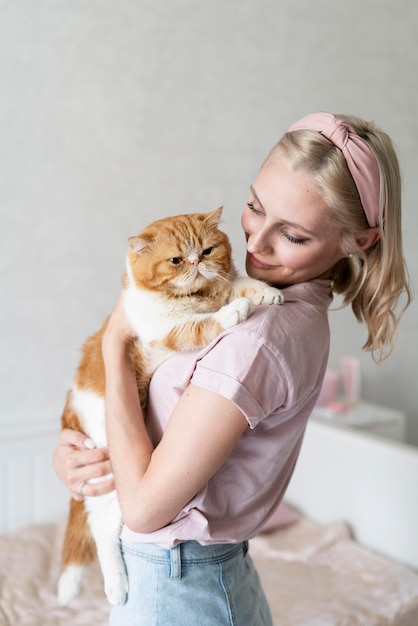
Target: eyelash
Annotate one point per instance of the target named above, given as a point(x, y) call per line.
point(252, 208)
point(284, 233)
point(298, 242)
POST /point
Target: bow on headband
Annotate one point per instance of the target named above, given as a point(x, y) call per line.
point(360, 159)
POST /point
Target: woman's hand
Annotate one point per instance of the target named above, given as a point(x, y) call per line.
point(77, 462)
point(118, 334)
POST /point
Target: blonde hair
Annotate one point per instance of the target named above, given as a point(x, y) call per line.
point(373, 281)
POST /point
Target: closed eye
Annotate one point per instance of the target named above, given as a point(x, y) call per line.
point(295, 240)
point(252, 208)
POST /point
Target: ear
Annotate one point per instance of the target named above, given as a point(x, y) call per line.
point(368, 238)
point(137, 244)
point(214, 217)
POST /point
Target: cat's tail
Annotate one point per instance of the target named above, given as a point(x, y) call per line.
point(69, 584)
point(79, 551)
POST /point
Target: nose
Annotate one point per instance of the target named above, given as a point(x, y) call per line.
point(193, 258)
point(260, 242)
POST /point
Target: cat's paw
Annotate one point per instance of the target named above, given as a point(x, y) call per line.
point(265, 295)
point(235, 312)
point(258, 291)
point(116, 588)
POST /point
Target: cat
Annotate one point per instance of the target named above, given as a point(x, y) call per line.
point(180, 290)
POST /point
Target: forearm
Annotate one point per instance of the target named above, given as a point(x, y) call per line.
point(153, 485)
point(130, 447)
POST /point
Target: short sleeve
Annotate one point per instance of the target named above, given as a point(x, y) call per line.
point(242, 368)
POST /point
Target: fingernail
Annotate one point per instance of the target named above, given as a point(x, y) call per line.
point(89, 443)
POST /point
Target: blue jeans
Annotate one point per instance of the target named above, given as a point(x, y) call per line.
point(191, 585)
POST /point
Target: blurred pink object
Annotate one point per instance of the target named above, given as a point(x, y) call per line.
point(329, 390)
point(350, 376)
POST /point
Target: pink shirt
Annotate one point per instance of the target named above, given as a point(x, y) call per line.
point(271, 366)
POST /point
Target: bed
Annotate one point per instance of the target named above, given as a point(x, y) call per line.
point(313, 570)
point(313, 574)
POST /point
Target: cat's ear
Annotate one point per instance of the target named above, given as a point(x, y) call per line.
point(137, 244)
point(214, 217)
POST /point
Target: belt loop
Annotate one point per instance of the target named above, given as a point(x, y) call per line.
point(175, 562)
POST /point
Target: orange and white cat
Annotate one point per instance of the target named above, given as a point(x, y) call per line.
point(180, 290)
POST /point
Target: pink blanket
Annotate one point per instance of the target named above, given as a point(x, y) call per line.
point(313, 576)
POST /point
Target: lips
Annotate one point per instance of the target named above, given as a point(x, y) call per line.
point(259, 264)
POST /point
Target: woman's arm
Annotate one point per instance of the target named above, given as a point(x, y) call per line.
point(154, 484)
point(76, 461)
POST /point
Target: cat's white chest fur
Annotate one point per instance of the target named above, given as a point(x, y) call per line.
point(149, 316)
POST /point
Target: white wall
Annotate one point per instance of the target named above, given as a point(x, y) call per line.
point(114, 113)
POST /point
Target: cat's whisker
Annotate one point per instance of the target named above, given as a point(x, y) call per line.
point(227, 279)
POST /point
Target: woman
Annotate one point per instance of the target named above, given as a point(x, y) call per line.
point(225, 425)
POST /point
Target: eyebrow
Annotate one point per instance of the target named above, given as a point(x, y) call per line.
point(285, 222)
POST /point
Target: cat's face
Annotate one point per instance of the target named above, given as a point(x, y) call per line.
point(181, 255)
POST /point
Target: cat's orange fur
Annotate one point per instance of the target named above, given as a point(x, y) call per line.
point(179, 293)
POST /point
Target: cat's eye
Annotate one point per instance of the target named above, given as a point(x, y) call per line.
point(207, 251)
point(176, 260)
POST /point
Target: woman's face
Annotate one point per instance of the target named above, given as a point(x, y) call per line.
point(289, 239)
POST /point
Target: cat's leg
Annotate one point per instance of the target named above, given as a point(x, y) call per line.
point(233, 313)
point(104, 517)
point(257, 290)
point(78, 552)
point(105, 521)
point(202, 328)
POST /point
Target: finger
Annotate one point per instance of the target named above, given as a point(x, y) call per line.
point(76, 439)
point(76, 495)
point(88, 473)
point(94, 489)
point(77, 458)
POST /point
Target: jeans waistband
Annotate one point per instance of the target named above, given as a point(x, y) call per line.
point(186, 553)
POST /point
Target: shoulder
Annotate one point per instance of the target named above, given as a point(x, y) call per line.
point(305, 310)
point(276, 335)
point(273, 358)
point(315, 293)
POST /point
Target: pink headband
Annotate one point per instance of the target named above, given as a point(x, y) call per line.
point(360, 159)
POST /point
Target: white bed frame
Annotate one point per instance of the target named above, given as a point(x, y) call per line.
point(30, 492)
point(369, 482)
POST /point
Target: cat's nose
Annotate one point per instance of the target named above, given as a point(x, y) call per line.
point(193, 259)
